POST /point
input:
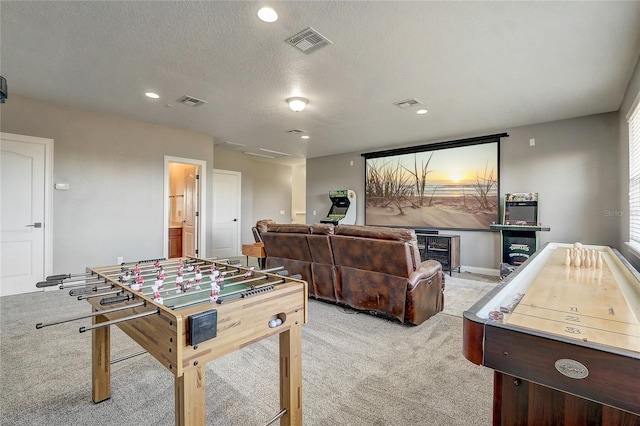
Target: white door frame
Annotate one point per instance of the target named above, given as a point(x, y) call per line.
point(202, 204)
point(48, 196)
point(239, 232)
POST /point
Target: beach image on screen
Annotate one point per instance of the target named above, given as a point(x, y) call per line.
point(451, 188)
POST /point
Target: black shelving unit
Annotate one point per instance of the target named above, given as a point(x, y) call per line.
point(441, 247)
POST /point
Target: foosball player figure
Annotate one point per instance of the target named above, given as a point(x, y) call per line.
point(138, 284)
point(160, 275)
point(156, 295)
point(215, 292)
point(249, 273)
point(215, 274)
point(156, 265)
point(125, 278)
point(179, 281)
point(219, 280)
point(180, 263)
point(159, 284)
point(137, 270)
point(198, 277)
point(187, 285)
point(213, 269)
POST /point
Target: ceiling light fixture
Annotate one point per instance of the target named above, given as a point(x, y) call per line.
point(274, 152)
point(267, 14)
point(297, 104)
point(255, 154)
point(152, 95)
point(421, 111)
point(305, 137)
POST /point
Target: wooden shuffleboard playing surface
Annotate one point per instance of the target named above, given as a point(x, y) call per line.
point(579, 303)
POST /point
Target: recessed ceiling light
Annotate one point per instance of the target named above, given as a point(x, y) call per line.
point(267, 14)
point(305, 137)
point(152, 95)
point(421, 111)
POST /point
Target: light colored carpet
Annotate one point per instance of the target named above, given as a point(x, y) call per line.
point(357, 370)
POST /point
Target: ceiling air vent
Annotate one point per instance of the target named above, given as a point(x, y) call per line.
point(296, 131)
point(191, 101)
point(308, 40)
point(407, 103)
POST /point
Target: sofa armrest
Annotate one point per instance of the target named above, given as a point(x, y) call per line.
point(425, 292)
point(427, 269)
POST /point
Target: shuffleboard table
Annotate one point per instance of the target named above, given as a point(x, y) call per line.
point(563, 337)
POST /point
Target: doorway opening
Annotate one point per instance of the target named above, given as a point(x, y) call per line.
point(184, 201)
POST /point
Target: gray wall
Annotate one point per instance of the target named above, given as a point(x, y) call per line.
point(573, 166)
point(266, 188)
point(115, 169)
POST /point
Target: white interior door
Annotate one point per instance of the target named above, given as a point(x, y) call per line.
point(226, 213)
point(199, 203)
point(190, 223)
point(23, 198)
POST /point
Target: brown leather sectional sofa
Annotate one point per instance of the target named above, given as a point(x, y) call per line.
point(369, 268)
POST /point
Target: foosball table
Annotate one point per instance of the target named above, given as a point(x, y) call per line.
point(186, 313)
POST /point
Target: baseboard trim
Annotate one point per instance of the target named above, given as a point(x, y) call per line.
point(481, 271)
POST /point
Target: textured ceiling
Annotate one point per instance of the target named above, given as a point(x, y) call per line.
point(477, 66)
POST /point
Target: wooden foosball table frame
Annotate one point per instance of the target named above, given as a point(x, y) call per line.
point(239, 322)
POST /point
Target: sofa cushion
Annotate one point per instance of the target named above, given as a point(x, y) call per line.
point(286, 245)
point(387, 296)
point(323, 271)
point(383, 256)
point(292, 266)
point(377, 232)
point(289, 228)
point(322, 228)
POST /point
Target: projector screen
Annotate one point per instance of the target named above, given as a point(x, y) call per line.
point(450, 185)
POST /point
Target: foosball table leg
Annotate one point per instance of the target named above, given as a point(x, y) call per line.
point(190, 397)
point(291, 376)
point(100, 361)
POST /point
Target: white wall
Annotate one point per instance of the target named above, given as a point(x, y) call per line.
point(115, 169)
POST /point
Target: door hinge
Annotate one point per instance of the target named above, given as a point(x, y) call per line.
point(197, 176)
point(197, 214)
point(196, 251)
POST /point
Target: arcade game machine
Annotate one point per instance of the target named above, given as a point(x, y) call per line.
point(343, 207)
point(519, 229)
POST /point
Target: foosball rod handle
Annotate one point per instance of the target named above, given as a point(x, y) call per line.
point(58, 277)
point(276, 417)
point(92, 314)
point(116, 299)
point(116, 321)
point(43, 284)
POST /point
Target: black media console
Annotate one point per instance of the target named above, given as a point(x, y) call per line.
point(441, 247)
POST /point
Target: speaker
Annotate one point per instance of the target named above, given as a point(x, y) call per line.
point(3, 89)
